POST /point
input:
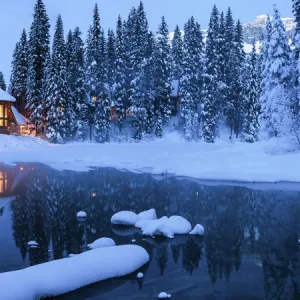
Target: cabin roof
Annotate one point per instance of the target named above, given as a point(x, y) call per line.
point(20, 119)
point(5, 96)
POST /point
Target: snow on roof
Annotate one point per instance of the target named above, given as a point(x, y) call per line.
point(175, 88)
point(21, 120)
point(5, 96)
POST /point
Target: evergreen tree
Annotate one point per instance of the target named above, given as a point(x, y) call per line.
point(120, 92)
point(276, 96)
point(162, 76)
point(223, 53)
point(19, 73)
point(211, 78)
point(192, 79)
point(2, 82)
point(71, 122)
point(111, 62)
point(79, 92)
point(235, 103)
point(57, 91)
point(177, 54)
point(38, 51)
point(252, 106)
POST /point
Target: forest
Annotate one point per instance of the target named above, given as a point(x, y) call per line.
point(120, 81)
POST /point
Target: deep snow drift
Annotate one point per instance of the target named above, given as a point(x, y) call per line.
point(265, 161)
point(68, 274)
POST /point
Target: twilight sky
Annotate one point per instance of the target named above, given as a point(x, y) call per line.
point(17, 14)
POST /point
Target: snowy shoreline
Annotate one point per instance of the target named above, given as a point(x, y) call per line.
point(223, 162)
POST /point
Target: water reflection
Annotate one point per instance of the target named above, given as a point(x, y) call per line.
point(240, 223)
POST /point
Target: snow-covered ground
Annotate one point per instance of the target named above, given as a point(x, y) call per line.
point(68, 274)
point(265, 161)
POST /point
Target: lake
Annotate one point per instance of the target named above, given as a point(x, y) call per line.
point(250, 250)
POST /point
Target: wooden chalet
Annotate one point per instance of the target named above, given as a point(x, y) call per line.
point(11, 121)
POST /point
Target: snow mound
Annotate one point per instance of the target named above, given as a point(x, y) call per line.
point(148, 215)
point(164, 295)
point(33, 244)
point(124, 218)
point(81, 214)
point(65, 275)
point(198, 230)
point(102, 242)
point(140, 275)
point(179, 225)
point(133, 241)
point(165, 226)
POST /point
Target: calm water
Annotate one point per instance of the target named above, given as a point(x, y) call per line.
point(250, 249)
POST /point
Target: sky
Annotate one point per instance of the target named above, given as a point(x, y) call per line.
point(17, 14)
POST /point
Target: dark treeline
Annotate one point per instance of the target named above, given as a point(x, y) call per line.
point(121, 81)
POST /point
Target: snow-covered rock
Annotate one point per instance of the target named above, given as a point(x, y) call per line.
point(32, 244)
point(81, 214)
point(198, 230)
point(148, 215)
point(102, 242)
point(157, 228)
point(124, 218)
point(179, 225)
point(65, 275)
point(140, 275)
point(164, 295)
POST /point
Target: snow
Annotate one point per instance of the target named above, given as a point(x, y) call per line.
point(133, 241)
point(124, 218)
point(140, 275)
point(266, 161)
point(164, 295)
point(81, 214)
point(102, 242)
point(5, 96)
point(165, 226)
point(148, 215)
point(65, 275)
point(198, 230)
point(21, 120)
point(32, 244)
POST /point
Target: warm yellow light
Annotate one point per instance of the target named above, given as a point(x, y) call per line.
point(94, 195)
point(21, 168)
point(94, 98)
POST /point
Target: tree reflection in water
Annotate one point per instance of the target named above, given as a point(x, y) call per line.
point(263, 226)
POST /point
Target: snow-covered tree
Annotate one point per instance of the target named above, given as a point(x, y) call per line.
point(162, 77)
point(79, 93)
point(2, 82)
point(177, 54)
point(276, 94)
point(111, 62)
point(192, 79)
point(252, 105)
point(57, 90)
point(38, 51)
point(121, 58)
point(210, 108)
point(19, 73)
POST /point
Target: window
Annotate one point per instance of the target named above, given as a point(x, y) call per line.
point(3, 115)
point(3, 182)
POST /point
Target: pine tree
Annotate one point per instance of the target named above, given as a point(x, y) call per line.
point(276, 96)
point(192, 79)
point(120, 92)
point(71, 122)
point(111, 62)
point(57, 91)
point(177, 54)
point(38, 50)
point(79, 92)
point(2, 82)
point(235, 103)
point(211, 78)
point(162, 77)
point(19, 73)
point(252, 106)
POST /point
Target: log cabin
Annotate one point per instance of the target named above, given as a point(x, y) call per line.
point(11, 121)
